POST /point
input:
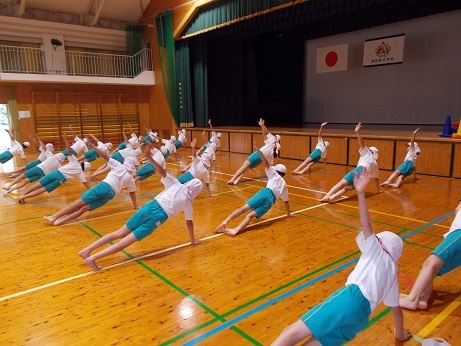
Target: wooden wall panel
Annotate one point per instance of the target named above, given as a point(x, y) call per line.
point(240, 142)
point(435, 158)
point(457, 160)
point(294, 146)
point(336, 151)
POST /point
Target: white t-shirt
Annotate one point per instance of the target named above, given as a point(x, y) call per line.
point(321, 146)
point(199, 170)
point(366, 160)
point(456, 223)
point(158, 156)
point(375, 273)
point(173, 200)
point(128, 151)
point(119, 177)
point(50, 164)
point(411, 154)
point(42, 156)
point(17, 149)
point(73, 169)
point(79, 145)
point(268, 148)
point(169, 145)
point(103, 148)
point(182, 137)
point(277, 184)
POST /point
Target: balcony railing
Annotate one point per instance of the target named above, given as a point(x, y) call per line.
point(37, 61)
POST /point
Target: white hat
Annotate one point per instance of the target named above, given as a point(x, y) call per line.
point(26, 144)
point(108, 145)
point(417, 149)
point(326, 144)
point(172, 139)
point(137, 151)
point(183, 130)
point(392, 243)
point(374, 151)
point(192, 188)
point(85, 140)
point(49, 147)
point(130, 163)
point(219, 134)
point(277, 138)
point(280, 168)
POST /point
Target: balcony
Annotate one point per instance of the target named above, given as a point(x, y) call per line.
point(25, 64)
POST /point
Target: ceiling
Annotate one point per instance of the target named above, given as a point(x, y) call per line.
point(110, 14)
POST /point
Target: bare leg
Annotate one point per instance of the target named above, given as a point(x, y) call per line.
point(208, 188)
point(19, 185)
point(127, 238)
point(245, 167)
point(16, 172)
point(78, 203)
point(431, 266)
point(37, 191)
point(394, 175)
point(341, 184)
point(72, 216)
point(398, 181)
point(302, 166)
point(242, 225)
point(14, 182)
point(236, 213)
point(186, 168)
point(308, 168)
point(340, 193)
point(100, 171)
point(293, 334)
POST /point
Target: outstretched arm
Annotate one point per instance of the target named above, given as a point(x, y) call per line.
point(264, 130)
point(359, 137)
point(40, 143)
point(101, 153)
point(412, 141)
point(157, 166)
point(11, 133)
point(66, 143)
point(321, 128)
point(360, 183)
point(209, 123)
point(72, 131)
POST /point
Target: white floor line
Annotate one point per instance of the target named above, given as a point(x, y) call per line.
point(38, 288)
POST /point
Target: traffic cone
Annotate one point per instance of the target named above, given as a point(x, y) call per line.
point(447, 128)
point(458, 134)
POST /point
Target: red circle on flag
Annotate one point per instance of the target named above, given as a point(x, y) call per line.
point(331, 59)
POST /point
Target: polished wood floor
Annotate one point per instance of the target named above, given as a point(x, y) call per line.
point(239, 290)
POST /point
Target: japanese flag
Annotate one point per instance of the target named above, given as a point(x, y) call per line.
point(332, 58)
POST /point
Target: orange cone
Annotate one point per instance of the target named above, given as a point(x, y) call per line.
point(447, 128)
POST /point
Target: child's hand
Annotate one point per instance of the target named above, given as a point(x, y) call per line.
point(361, 180)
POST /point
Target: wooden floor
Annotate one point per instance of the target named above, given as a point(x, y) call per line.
point(225, 291)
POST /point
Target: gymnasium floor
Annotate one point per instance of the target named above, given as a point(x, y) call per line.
point(239, 290)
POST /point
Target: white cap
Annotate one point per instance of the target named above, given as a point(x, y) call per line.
point(277, 138)
point(85, 140)
point(137, 151)
point(374, 151)
point(130, 163)
point(108, 145)
point(49, 147)
point(326, 144)
point(219, 134)
point(183, 130)
point(172, 139)
point(280, 168)
point(392, 243)
point(26, 144)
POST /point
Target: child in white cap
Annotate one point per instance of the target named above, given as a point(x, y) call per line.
point(408, 166)
point(255, 158)
point(118, 178)
point(91, 155)
point(263, 200)
point(174, 199)
point(368, 159)
point(17, 149)
point(374, 279)
point(314, 157)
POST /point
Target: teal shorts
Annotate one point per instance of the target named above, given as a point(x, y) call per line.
point(121, 146)
point(52, 180)
point(349, 177)
point(34, 174)
point(146, 171)
point(66, 153)
point(316, 155)
point(6, 156)
point(185, 177)
point(91, 155)
point(118, 157)
point(262, 201)
point(340, 317)
point(406, 168)
point(449, 252)
point(31, 164)
point(146, 220)
point(254, 159)
point(178, 144)
point(98, 195)
point(166, 154)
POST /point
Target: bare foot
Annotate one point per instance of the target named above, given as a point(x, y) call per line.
point(84, 254)
point(231, 232)
point(325, 199)
point(220, 228)
point(92, 264)
point(21, 200)
point(393, 185)
point(7, 188)
point(58, 222)
point(49, 218)
point(296, 172)
point(230, 182)
point(385, 183)
point(94, 178)
point(406, 303)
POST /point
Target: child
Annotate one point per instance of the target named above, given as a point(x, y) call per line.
point(368, 158)
point(118, 178)
point(17, 149)
point(346, 312)
point(408, 165)
point(148, 169)
point(91, 155)
point(442, 260)
point(263, 200)
point(174, 199)
point(78, 146)
point(255, 158)
point(215, 138)
point(314, 157)
point(55, 178)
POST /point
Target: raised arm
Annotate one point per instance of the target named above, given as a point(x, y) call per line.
point(360, 183)
point(321, 128)
point(157, 166)
point(412, 141)
point(94, 138)
point(40, 142)
point(11, 133)
point(359, 137)
point(264, 130)
point(124, 136)
point(72, 131)
point(66, 143)
point(209, 123)
point(101, 153)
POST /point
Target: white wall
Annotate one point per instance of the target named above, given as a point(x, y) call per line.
point(424, 89)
